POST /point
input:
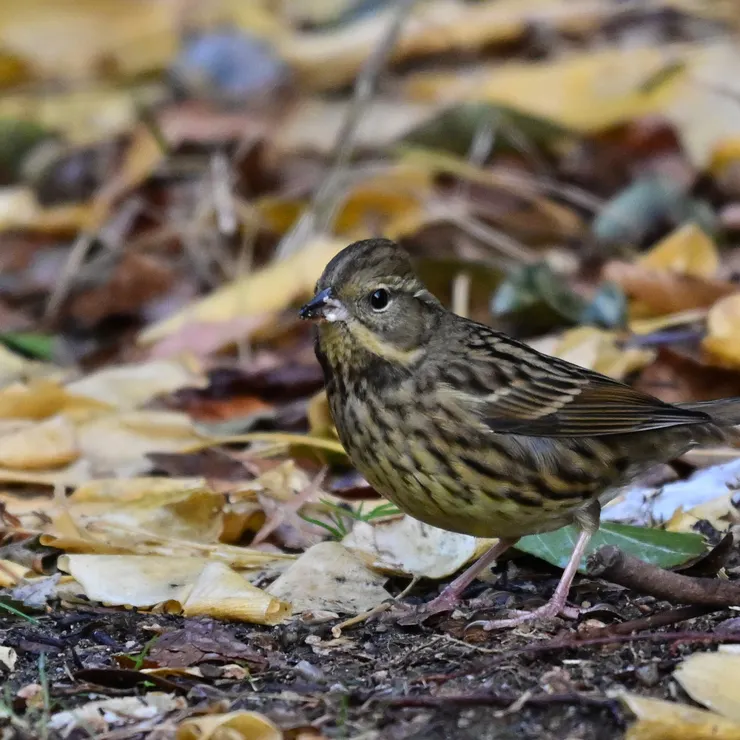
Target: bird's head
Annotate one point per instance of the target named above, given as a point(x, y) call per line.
point(369, 298)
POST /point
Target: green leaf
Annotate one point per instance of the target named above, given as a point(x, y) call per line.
point(40, 346)
point(655, 546)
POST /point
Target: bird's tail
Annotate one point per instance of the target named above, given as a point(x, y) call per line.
point(725, 412)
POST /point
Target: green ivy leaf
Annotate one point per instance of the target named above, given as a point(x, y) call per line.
point(655, 546)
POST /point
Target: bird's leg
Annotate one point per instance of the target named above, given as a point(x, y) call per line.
point(450, 596)
point(588, 520)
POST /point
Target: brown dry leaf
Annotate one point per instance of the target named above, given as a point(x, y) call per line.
point(49, 444)
point(595, 349)
point(713, 679)
point(232, 726)
point(722, 342)
point(405, 546)
point(195, 586)
point(328, 577)
point(687, 251)
point(662, 292)
point(263, 292)
point(666, 720)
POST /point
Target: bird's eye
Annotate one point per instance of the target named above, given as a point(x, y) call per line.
point(379, 299)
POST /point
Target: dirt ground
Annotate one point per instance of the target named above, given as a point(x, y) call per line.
point(378, 679)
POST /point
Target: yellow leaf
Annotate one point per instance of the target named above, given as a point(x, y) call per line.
point(19, 210)
point(713, 679)
point(231, 726)
point(595, 90)
point(666, 720)
point(275, 287)
point(725, 153)
point(75, 39)
point(722, 341)
point(329, 577)
point(596, 349)
point(222, 593)
point(688, 251)
point(405, 546)
point(48, 444)
point(147, 581)
point(12, 573)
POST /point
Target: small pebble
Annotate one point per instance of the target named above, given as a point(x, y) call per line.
point(648, 675)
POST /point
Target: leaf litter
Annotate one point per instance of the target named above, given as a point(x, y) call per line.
point(180, 527)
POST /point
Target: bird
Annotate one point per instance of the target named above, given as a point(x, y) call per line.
point(469, 430)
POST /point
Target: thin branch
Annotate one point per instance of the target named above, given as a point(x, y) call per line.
point(317, 218)
point(611, 564)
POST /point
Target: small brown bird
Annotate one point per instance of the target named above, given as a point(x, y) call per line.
point(469, 430)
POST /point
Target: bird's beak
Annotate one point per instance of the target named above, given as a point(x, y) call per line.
point(319, 306)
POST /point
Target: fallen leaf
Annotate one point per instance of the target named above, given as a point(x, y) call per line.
point(596, 349)
point(667, 720)
point(328, 577)
point(712, 679)
point(271, 289)
point(232, 726)
point(135, 713)
point(687, 250)
point(128, 387)
point(662, 292)
point(405, 546)
point(195, 586)
point(8, 658)
point(723, 331)
point(198, 641)
point(48, 444)
point(654, 546)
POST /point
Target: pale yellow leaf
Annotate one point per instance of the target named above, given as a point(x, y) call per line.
point(222, 593)
point(11, 573)
point(232, 726)
point(405, 546)
point(127, 387)
point(49, 444)
point(328, 577)
point(713, 679)
point(666, 720)
point(147, 581)
point(271, 289)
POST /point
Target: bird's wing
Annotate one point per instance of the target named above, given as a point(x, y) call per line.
point(531, 394)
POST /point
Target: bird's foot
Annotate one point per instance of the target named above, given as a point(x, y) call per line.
point(553, 608)
point(412, 615)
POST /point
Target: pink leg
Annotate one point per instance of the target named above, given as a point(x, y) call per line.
point(449, 598)
point(556, 605)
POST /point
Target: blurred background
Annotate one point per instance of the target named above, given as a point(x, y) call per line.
point(174, 174)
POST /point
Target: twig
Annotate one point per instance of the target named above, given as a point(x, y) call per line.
point(661, 619)
point(317, 218)
point(487, 699)
point(613, 565)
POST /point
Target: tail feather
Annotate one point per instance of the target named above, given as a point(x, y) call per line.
point(725, 412)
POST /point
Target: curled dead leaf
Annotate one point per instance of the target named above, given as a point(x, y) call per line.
point(234, 725)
